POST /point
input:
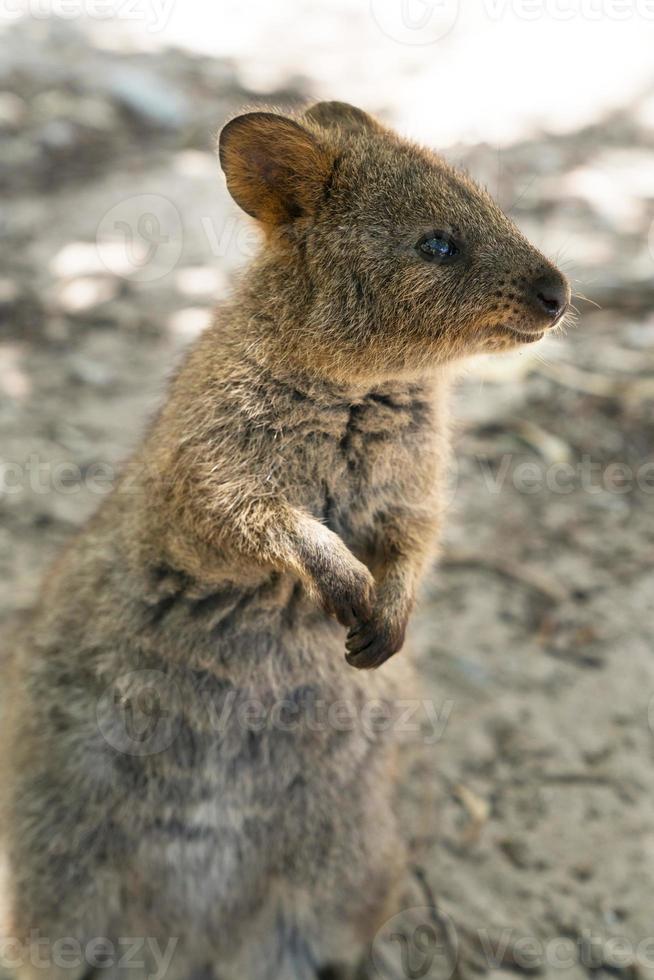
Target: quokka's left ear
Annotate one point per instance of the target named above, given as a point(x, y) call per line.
point(275, 169)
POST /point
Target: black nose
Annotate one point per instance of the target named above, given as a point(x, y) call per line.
point(551, 295)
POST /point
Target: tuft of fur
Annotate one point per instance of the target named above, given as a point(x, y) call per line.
point(280, 511)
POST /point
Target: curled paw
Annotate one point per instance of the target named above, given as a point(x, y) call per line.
point(371, 642)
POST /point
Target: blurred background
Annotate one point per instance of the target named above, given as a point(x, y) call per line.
point(535, 634)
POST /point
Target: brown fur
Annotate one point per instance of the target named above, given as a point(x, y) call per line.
point(289, 488)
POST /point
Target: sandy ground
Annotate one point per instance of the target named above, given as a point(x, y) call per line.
point(533, 636)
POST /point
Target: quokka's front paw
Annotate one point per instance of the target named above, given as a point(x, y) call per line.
point(376, 638)
point(348, 592)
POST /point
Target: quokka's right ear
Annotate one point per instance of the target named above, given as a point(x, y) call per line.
point(275, 169)
point(343, 115)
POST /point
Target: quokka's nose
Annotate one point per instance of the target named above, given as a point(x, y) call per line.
point(551, 295)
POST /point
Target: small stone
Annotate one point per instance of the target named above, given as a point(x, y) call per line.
point(148, 96)
point(9, 293)
point(12, 110)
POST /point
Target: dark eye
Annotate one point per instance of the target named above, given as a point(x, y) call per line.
point(437, 247)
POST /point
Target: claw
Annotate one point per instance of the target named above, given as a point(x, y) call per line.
point(359, 638)
point(370, 644)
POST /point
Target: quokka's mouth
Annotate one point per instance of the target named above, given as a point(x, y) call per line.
point(524, 336)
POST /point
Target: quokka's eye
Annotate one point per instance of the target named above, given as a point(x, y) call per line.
point(438, 246)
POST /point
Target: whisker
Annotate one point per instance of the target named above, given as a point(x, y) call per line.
point(587, 300)
point(521, 195)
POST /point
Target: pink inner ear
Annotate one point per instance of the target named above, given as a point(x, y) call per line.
point(265, 167)
point(274, 167)
point(269, 172)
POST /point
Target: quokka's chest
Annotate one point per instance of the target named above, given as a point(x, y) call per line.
point(355, 460)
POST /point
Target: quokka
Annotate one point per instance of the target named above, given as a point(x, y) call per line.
point(279, 515)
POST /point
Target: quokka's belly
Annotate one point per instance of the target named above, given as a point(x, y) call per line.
point(262, 801)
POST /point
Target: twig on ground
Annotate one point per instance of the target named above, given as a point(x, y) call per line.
point(511, 569)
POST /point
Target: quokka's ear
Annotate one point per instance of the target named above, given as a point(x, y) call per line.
point(275, 169)
point(342, 114)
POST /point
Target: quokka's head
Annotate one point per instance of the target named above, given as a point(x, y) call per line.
point(394, 259)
